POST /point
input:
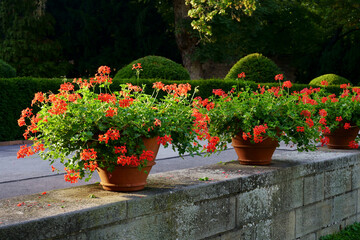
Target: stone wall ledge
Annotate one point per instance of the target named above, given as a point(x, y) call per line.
point(267, 202)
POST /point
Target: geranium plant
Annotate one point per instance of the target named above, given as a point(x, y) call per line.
point(341, 111)
point(87, 126)
point(256, 115)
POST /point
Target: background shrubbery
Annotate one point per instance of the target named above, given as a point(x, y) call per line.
point(156, 67)
point(257, 68)
point(6, 71)
point(332, 79)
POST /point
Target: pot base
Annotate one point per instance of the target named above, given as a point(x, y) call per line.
point(340, 138)
point(254, 153)
point(125, 178)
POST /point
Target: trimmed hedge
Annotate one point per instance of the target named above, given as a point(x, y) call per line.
point(17, 94)
point(257, 68)
point(6, 70)
point(154, 67)
point(332, 79)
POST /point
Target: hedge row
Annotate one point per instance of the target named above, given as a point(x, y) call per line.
point(17, 93)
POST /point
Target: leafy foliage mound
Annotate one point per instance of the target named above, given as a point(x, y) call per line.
point(332, 79)
point(6, 71)
point(257, 68)
point(155, 67)
point(351, 232)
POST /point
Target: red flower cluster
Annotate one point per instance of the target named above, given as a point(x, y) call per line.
point(159, 85)
point(258, 131)
point(287, 84)
point(220, 92)
point(324, 83)
point(134, 88)
point(344, 86)
point(309, 122)
point(135, 161)
point(138, 66)
point(305, 113)
point(92, 165)
point(111, 112)
point(71, 176)
point(212, 142)
point(39, 97)
point(300, 129)
point(201, 124)
point(347, 126)
point(245, 136)
point(338, 119)
point(59, 106)
point(353, 144)
point(126, 102)
point(66, 87)
point(88, 154)
point(324, 141)
point(105, 70)
point(157, 122)
point(111, 134)
point(164, 140)
point(83, 83)
point(105, 97)
point(121, 150)
point(30, 150)
point(177, 90)
point(322, 113)
point(241, 75)
point(279, 77)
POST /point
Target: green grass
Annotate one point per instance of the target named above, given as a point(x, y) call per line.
point(351, 232)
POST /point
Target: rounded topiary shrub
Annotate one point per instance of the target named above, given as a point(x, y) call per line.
point(256, 67)
point(155, 67)
point(332, 79)
point(6, 71)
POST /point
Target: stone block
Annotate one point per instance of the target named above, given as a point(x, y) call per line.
point(313, 188)
point(205, 219)
point(330, 229)
point(355, 177)
point(156, 226)
point(247, 232)
point(344, 206)
point(313, 217)
point(263, 229)
point(351, 220)
point(283, 226)
point(311, 236)
point(257, 204)
point(66, 224)
point(290, 195)
point(336, 182)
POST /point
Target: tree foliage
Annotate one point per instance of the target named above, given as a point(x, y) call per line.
point(203, 12)
point(27, 40)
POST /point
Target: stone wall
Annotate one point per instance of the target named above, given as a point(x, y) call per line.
point(299, 196)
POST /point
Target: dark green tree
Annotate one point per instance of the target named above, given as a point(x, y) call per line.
point(27, 39)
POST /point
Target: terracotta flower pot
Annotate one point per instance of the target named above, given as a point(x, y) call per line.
point(341, 137)
point(129, 178)
point(254, 153)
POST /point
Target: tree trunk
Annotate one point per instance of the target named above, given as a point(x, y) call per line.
point(40, 8)
point(185, 40)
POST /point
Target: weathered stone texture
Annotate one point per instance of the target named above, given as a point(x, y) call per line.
point(313, 217)
point(344, 206)
point(313, 188)
point(337, 181)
